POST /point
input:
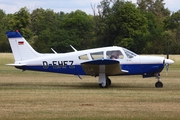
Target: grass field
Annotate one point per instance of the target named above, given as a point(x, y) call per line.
point(35, 95)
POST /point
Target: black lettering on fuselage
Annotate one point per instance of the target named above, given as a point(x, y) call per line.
point(54, 64)
point(65, 64)
point(58, 64)
point(71, 64)
point(45, 65)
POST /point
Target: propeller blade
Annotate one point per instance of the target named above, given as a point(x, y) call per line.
point(167, 67)
point(167, 55)
point(167, 50)
point(167, 62)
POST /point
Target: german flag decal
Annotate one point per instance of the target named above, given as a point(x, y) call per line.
point(21, 43)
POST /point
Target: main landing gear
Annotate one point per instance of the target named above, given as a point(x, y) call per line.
point(158, 84)
point(104, 81)
point(106, 84)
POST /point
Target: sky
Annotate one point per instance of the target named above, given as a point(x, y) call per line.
point(66, 5)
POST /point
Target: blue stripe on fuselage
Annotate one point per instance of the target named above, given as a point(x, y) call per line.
point(77, 70)
point(134, 69)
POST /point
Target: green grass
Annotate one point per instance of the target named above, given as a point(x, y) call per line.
point(35, 95)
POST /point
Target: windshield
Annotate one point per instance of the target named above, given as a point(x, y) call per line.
point(129, 53)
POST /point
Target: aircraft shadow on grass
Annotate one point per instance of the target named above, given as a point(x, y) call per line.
point(64, 86)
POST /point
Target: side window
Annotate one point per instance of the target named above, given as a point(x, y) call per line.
point(83, 57)
point(114, 54)
point(97, 55)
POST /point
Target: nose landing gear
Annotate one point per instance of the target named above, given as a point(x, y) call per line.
point(158, 84)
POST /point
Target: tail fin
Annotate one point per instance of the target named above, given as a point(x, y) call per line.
point(20, 47)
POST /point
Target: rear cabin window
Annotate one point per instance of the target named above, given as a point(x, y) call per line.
point(114, 54)
point(97, 55)
point(83, 57)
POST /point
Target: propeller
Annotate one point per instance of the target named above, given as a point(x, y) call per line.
point(167, 65)
point(167, 60)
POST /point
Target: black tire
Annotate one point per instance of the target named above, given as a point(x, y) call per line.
point(159, 84)
point(108, 81)
point(100, 85)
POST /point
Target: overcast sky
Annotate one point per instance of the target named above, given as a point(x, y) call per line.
point(12, 6)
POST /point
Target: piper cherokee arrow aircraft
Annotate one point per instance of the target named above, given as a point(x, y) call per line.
point(102, 62)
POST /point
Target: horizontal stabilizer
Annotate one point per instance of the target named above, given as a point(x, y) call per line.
point(112, 67)
point(16, 64)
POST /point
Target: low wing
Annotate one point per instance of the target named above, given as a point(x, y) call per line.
point(111, 67)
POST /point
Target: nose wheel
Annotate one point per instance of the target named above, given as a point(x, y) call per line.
point(158, 84)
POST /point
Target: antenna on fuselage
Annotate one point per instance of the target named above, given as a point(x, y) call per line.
point(54, 51)
point(73, 48)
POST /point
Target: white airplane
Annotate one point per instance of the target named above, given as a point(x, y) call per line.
point(102, 62)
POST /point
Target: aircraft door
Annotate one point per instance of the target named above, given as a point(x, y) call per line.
point(132, 62)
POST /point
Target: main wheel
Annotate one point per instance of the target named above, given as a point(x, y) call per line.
point(108, 81)
point(159, 84)
point(101, 85)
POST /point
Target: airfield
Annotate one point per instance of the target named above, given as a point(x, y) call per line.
point(32, 95)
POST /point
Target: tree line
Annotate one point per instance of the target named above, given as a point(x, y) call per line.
point(146, 27)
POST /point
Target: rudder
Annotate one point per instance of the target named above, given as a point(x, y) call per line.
point(20, 47)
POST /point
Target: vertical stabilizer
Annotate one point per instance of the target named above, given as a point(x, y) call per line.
point(20, 47)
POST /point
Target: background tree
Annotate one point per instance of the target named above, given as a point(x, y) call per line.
point(155, 13)
point(172, 23)
point(4, 44)
point(79, 27)
point(103, 37)
point(61, 30)
point(43, 25)
point(132, 27)
point(121, 23)
point(21, 21)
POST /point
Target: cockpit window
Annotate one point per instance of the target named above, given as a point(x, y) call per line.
point(114, 54)
point(129, 53)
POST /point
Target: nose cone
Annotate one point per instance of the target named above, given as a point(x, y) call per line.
point(169, 61)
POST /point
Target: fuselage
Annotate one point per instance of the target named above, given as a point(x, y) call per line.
point(70, 63)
